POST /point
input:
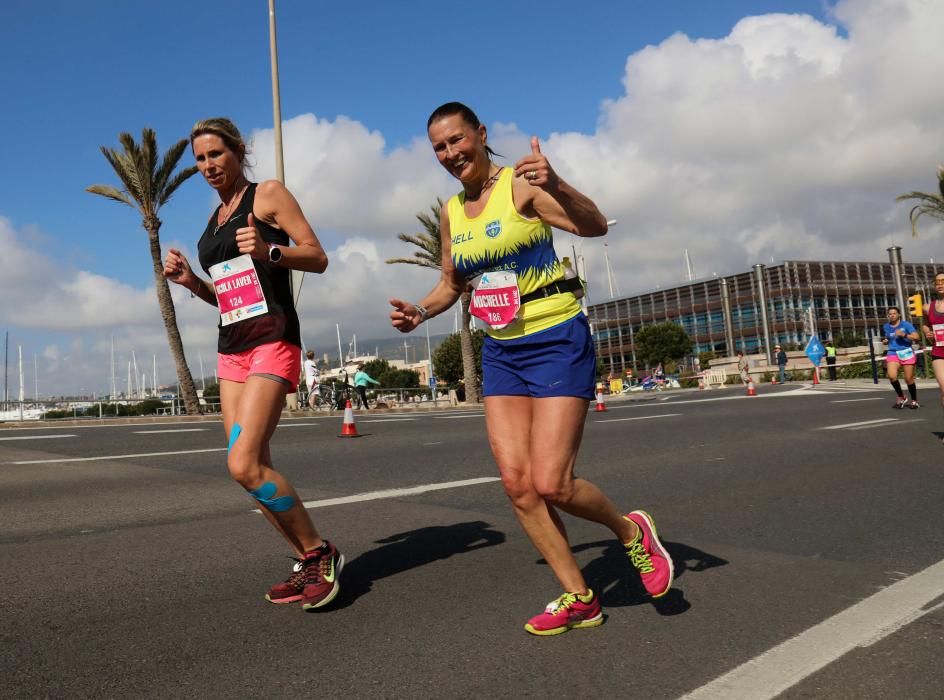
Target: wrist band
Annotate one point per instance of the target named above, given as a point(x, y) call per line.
point(423, 312)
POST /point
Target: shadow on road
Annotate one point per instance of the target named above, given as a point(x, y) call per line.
point(409, 550)
point(612, 577)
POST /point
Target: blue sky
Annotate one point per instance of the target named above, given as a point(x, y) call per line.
point(597, 81)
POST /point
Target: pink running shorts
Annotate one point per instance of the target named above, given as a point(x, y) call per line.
point(279, 358)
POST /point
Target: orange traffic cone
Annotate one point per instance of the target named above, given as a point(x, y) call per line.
point(816, 375)
point(600, 405)
point(701, 382)
point(750, 388)
point(349, 430)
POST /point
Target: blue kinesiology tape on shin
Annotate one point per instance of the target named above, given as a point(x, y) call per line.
point(264, 494)
point(233, 434)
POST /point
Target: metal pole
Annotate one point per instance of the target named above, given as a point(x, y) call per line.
point(726, 311)
point(276, 101)
point(894, 257)
point(760, 278)
point(429, 366)
point(872, 357)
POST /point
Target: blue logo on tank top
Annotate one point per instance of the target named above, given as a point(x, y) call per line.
point(493, 228)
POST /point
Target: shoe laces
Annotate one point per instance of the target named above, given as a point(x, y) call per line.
point(297, 578)
point(316, 567)
point(564, 601)
point(640, 557)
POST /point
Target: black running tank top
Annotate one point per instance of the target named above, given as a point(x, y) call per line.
point(281, 321)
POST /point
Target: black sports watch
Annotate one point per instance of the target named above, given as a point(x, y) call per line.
point(275, 254)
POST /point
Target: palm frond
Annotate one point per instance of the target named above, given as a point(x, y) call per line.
point(124, 169)
point(414, 261)
point(111, 193)
point(168, 190)
point(934, 211)
point(428, 241)
point(167, 165)
point(932, 199)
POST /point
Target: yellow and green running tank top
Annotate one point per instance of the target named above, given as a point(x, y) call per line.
point(501, 239)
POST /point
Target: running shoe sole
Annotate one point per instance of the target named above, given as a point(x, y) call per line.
point(582, 624)
point(280, 601)
point(334, 591)
point(658, 546)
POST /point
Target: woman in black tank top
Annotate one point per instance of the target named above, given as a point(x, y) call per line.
point(246, 249)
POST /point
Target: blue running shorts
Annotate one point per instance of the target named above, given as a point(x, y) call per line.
point(558, 361)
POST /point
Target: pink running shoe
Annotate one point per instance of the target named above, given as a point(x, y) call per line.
point(649, 556)
point(570, 611)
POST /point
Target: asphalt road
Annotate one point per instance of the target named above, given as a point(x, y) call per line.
point(808, 557)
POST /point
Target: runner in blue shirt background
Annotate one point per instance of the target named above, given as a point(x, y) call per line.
point(898, 336)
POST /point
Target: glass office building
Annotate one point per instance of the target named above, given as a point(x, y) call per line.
point(724, 314)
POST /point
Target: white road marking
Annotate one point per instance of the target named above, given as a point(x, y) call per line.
point(897, 422)
point(431, 443)
point(865, 623)
point(468, 415)
point(395, 493)
point(617, 420)
point(871, 398)
point(295, 425)
point(862, 423)
point(106, 458)
point(177, 430)
point(37, 437)
point(385, 420)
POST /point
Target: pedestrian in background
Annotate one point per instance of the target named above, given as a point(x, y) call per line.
point(538, 360)
point(312, 378)
point(781, 363)
point(361, 379)
point(898, 336)
point(743, 367)
point(831, 360)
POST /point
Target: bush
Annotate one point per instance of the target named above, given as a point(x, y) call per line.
point(859, 371)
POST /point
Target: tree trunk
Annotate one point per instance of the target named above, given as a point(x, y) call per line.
point(166, 303)
point(469, 370)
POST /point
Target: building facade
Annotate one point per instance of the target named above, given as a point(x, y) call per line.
point(753, 311)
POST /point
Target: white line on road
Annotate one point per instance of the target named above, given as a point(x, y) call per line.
point(468, 415)
point(617, 420)
point(295, 425)
point(395, 493)
point(871, 398)
point(37, 437)
point(878, 616)
point(897, 422)
point(106, 458)
point(178, 430)
point(863, 423)
point(385, 420)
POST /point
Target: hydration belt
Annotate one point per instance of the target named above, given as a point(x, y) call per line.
point(565, 285)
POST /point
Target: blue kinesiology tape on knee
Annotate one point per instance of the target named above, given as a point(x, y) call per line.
point(264, 494)
point(233, 434)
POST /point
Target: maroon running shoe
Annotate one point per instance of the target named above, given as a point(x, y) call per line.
point(289, 590)
point(322, 576)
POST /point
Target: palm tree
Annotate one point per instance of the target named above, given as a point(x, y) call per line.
point(430, 255)
point(931, 204)
point(148, 184)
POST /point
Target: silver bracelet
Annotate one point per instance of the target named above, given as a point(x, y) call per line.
point(423, 312)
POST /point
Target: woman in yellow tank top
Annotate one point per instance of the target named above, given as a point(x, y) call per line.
point(538, 362)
